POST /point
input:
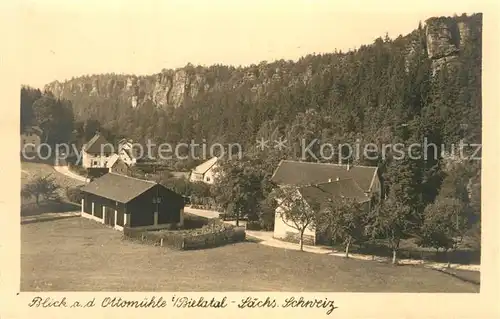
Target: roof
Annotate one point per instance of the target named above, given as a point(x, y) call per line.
point(204, 167)
point(321, 193)
point(113, 159)
point(32, 129)
point(307, 173)
point(97, 145)
point(118, 187)
point(124, 141)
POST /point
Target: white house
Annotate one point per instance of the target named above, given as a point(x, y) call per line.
point(204, 172)
point(31, 138)
point(317, 183)
point(126, 152)
point(97, 152)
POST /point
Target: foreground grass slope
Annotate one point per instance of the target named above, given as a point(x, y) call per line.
point(78, 254)
point(30, 170)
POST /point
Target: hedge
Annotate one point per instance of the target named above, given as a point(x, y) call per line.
point(254, 225)
point(212, 235)
point(74, 194)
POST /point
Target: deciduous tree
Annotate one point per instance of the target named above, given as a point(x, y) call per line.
point(295, 211)
point(41, 186)
point(344, 219)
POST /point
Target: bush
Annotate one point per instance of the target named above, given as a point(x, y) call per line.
point(77, 169)
point(254, 225)
point(194, 221)
point(74, 194)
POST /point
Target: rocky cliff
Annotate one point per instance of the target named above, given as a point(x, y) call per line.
point(444, 39)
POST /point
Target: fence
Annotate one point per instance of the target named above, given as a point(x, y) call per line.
point(185, 240)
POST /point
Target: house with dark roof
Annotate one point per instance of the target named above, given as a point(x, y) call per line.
point(123, 201)
point(318, 183)
point(31, 137)
point(307, 173)
point(205, 172)
point(117, 165)
point(97, 152)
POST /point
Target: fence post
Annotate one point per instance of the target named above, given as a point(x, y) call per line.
point(161, 242)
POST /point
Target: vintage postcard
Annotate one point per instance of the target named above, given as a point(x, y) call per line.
point(250, 158)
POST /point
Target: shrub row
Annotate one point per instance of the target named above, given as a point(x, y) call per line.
point(212, 235)
point(194, 221)
point(77, 169)
point(74, 194)
point(254, 225)
point(194, 204)
point(259, 225)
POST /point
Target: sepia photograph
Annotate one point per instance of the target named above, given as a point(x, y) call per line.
point(250, 149)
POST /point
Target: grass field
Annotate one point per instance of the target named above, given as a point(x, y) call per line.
point(79, 254)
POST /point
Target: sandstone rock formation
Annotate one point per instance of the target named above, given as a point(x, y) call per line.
point(444, 38)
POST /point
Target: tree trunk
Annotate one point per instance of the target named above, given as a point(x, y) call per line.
point(301, 240)
point(237, 218)
point(347, 247)
point(334, 241)
point(394, 256)
point(37, 198)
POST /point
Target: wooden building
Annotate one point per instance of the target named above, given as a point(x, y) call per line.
point(118, 200)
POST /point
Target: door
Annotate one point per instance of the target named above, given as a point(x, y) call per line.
point(110, 216)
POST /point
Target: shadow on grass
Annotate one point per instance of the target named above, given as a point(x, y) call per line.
point(32, 209)
point(47, 219)
point(460, 256)
point(251, 239)
point(472, 277)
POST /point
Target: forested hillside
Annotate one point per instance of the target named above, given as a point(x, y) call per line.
point(431, 76)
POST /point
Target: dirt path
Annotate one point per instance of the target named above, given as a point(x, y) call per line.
point(202, 212)
point(65, 171)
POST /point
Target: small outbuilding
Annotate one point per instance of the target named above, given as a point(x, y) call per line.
point(118, 200)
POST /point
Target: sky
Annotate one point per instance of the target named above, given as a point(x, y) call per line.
point(59, 39)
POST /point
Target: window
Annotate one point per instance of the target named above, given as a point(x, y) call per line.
point(94, 163)
point(156, 200)
point(208, 179)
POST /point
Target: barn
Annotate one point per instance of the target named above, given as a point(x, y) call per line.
point(118, 200)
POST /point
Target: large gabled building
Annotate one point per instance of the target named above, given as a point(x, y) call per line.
point(317, 183)
point(97, 152)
